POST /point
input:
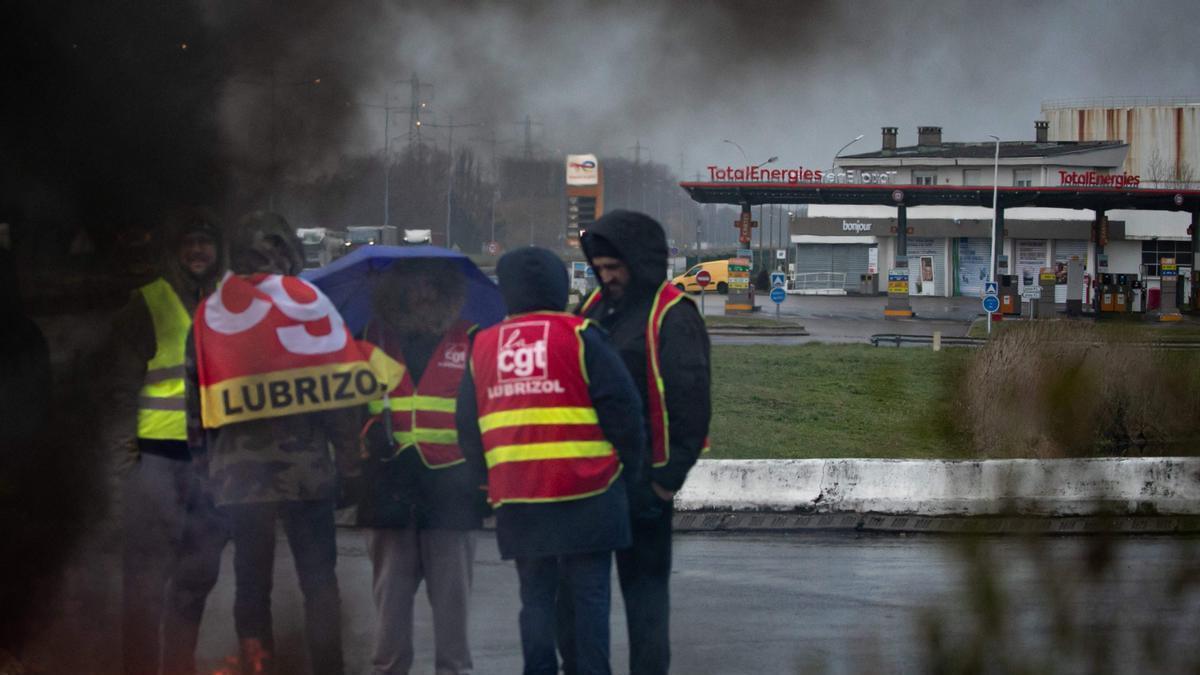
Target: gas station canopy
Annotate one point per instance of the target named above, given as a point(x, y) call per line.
point(1096, 198)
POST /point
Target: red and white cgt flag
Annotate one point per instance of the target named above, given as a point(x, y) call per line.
point(274, 345)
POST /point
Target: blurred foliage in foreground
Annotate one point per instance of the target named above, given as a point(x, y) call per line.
point(1072, 389)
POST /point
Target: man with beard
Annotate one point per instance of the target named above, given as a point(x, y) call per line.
point(663, 342)
point(147, 376)
point(421, 500)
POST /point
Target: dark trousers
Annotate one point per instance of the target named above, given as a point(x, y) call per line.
point(154, 507)
point(586, 579)
point(205, 533)
point(310, 532)
point(644, 570)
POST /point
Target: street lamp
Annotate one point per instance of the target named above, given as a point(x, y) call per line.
point(744, 158)
point(995, 194)
point(450, 126)
point(835, 155)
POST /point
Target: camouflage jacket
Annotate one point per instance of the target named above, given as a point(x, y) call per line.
point(283, 459)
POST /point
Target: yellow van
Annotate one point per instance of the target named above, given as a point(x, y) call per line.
point(717, 269)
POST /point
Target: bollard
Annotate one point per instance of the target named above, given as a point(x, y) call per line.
point(937, 340)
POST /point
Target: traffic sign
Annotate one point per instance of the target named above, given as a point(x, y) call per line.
point(990, 288)
point(991, 304)
point(777, 295)
point(493, 247)
point(703, 278)
point(778, 280)
point(780, 254)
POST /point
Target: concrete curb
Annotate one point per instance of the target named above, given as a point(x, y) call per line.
point(1019, 495)
point(1007, 496)
point(743, 522)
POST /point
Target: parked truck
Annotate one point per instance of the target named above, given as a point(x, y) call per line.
point(417, 237)
point(373, 235)
point(322, 245)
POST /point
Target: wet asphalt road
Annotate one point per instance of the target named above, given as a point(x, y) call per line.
point(852, 319)
point(823, 602)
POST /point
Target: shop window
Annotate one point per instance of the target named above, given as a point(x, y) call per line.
point(924, 178)
point(1023, 177)
point(1153, 250)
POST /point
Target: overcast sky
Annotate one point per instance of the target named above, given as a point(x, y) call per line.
point(793, 79)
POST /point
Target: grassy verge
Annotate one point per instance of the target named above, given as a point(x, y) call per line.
point(814, 400)
point(1123, 328)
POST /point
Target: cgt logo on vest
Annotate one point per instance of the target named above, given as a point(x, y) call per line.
point(521, 362)
point(522, 351)
point(454, 356)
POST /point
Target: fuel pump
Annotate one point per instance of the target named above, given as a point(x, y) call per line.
point(1137, 302)
point(1121, 294)
point(1010, 300)
point(1107, 285)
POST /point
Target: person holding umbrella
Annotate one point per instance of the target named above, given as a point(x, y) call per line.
point(421, 501)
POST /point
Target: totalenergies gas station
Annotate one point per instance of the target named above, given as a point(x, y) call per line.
point(902, 197)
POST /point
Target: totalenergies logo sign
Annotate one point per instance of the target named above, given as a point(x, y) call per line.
point(582, 170)
point(1093, 179)
point(757, 174)
point(764, 174)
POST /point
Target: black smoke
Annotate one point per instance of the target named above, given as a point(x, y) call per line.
point(109, 119)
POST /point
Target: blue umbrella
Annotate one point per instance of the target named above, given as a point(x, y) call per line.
point(347, 282)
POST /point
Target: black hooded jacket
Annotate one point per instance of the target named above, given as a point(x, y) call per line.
point(531, 280)
point(639, 241)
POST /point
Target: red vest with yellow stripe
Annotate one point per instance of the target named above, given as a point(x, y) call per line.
point(422, 416)
point(541, 435)
point(656, 393)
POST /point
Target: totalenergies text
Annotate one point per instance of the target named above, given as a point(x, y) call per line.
point(1091, 178)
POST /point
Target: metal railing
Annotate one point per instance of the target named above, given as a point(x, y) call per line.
point(953, 341)
point(947, 340)
point(818, 281)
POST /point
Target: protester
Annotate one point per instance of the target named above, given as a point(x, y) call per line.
point(146, 384)
point(274, 379)
point(29, 474)
point(548, 408)
point(663, 342)
point(421, 500)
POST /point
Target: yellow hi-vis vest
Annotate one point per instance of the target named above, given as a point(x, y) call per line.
point(160, 402)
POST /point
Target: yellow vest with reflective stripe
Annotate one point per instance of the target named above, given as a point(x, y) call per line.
point(160, 402)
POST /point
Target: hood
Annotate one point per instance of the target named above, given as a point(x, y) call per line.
point(532, 279)
point(263, 238)
point(178, 224)
point(640, 242)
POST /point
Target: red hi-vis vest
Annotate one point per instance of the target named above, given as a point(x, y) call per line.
point(541, 436)
point(423, 416)
point(656, 392)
